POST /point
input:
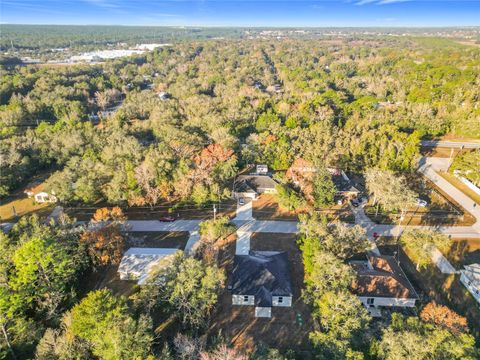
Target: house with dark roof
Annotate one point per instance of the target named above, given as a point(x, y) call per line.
point(261, 279)
point(250, 186)
point(381, 282)
point(343, 183)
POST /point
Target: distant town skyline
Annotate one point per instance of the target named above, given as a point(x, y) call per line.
point(267, 13)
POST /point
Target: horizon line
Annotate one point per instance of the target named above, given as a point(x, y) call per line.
point(262, 26)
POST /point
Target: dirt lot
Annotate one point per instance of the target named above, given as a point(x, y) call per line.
point(186, 211)
point(159, 239)
point(445, 289)
point(441, 209)
point(464, 252)
point(440, 152)
point(266, 208)
point(107, 277)
point(23, 206)
point(282, 331)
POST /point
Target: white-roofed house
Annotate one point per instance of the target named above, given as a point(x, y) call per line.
point(137, 263)
point(470, 277)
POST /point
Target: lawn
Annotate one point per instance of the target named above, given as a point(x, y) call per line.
point(461, 186)
point(238, 323)
point(159, 239)
point(23, 206)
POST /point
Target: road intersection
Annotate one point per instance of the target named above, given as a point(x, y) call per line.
point(246, 224)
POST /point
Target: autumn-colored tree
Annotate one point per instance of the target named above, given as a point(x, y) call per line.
point(211, 155)
point(105, 241)
point(114, 214)
point(441, 315)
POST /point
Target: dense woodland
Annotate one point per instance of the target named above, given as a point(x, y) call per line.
point(336, 104)
point(352, 104)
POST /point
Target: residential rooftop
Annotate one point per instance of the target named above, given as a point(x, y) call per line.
point(381, 276)
point(262, 274)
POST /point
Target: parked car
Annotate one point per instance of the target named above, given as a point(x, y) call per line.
point(167, 219)
point(241, 201)
point(421, 203)
point(355, 202)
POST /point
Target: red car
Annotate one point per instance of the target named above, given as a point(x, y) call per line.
point(167, 219)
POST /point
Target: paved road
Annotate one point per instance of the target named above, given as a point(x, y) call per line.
point(274, 226)
point(155, 225)
point(430, 166)
point(245, 211)
point(451, 144)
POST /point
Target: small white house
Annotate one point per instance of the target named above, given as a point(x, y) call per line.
point(44, 197)
point(262, 169)
point(470, 277)
point(381, 282)
point(137, 263)
point(261, 279)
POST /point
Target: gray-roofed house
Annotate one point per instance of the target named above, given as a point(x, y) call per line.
point(343, 183)
point(137, 263)
point(250, 186)
point(470, 277)
point(381, 282)
point(261, 279)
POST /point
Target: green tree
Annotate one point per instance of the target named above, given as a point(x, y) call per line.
point(323, 188)
point(328, 347)
point(190, 288)
point(409, 338)
point(342, 314)
point(327, 273)
point(420, 243)
point(212, 230)
point(266, 120)
point(289, 198)
point(103, 320)
point(390, 190)
point(43, 271)
point(342, 240)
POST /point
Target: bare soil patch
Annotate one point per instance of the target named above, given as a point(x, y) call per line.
point(184, 211)
point(445, 289)
point(266, 208)
point(441, 210)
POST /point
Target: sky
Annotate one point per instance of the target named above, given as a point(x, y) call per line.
point(278, 13)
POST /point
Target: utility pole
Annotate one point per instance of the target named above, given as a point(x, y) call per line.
point(450, 162)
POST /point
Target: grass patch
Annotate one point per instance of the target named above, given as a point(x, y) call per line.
point(23, 206)
point(461, 186)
